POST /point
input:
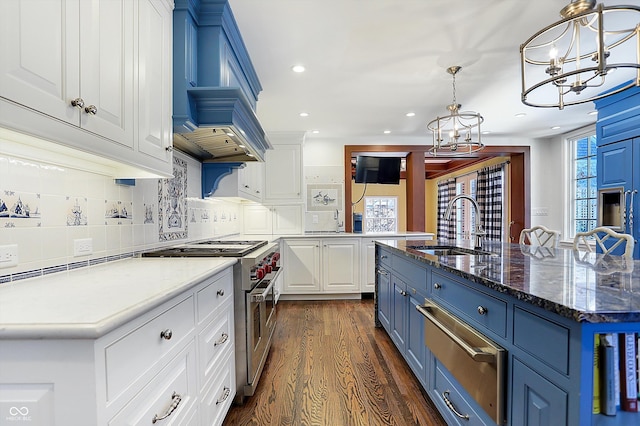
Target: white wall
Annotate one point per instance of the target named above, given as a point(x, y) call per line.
point(45, 240)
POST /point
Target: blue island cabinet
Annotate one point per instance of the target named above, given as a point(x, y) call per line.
point(618, 156)
point(549, 368)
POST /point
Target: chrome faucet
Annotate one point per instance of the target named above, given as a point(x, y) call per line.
point(336, 217)
point(479, 233)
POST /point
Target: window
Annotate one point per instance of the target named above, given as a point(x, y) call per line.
point(584, 189)
point(465, 214)
point(381, 214)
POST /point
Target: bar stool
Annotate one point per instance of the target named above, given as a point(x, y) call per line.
point(539, 236)
point(602, 234)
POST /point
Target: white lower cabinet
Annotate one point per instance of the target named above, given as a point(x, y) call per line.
point(316, 266)
point(167, 363)
point(368, 265)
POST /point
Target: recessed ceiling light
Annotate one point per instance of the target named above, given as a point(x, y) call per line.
point(315, 132)
point(242, 146)
point(304, 114)
point(230, 134)
point(520, 115)
point(555, 127)
point(594, 112)
point(386, 132)
point(486, 132)
point(410, 114)
point(298, 68)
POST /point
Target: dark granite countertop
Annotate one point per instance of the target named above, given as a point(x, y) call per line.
point(585, 287)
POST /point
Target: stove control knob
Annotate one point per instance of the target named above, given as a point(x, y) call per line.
point(274, 263)
point(268, 269)
point(276, 256)
point(260, 273)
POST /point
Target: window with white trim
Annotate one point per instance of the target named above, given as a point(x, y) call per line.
point(381, 214)
point(583, 211)
point(465, 214)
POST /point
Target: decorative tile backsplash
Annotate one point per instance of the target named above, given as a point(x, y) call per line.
point(45, 207)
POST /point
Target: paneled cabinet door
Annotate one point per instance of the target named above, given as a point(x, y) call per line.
point(64, 52)
point(368, 266)
point(384, 297)
point(287, 220)
point(301, 266)
point(283, 173)
point(250, 181)
point(155, 86)
point(40, 66)
point(341, 263)
point(257, 220)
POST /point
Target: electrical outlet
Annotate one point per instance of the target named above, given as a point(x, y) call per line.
point(8, 256)
point(82, 247)
point(315, 218)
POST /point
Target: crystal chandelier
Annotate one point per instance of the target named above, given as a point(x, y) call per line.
point(571, 61)
point(457, 133)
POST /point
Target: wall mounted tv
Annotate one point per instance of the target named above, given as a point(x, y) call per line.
point(384, 170)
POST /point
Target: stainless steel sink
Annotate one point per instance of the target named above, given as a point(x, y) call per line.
point(451, 251)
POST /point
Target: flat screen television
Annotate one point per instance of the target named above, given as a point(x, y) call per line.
point(384, 170)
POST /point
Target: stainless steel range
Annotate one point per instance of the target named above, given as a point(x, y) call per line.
point(254, 276)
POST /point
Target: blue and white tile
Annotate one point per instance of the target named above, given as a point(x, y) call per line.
point(76, 211)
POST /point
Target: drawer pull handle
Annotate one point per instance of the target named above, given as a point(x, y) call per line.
point(477, 354)
point(166, 334)
point(383, 272)
point(220, 292)
point(223, 339)
point(384, 256)
point(445, 396)
point(225, 395)
point(175, 401)
point(402, 292)
point(482, 310)
point(437, 286)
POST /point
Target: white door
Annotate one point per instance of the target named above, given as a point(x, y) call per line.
point(40, 55)
point(155, 86)
point(341, 263)
point(301, 266)
point(107, 68)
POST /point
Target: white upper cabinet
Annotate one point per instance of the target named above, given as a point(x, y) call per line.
point(283, 168)
point(99, 71)
point(155, 86)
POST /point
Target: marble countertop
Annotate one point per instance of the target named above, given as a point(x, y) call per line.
point(331, 234)
point(90, 302)
point(582, 286)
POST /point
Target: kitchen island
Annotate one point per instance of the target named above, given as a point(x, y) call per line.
point(542, 307)
point(121, 342)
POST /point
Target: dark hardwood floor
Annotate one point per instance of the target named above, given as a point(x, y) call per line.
point(329, 365)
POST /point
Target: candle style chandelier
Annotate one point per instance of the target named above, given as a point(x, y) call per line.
point(458, 133)
point(570, 62)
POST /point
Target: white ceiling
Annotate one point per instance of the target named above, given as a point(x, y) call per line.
point(369, 62)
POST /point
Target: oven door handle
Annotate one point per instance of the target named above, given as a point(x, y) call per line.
point(476, 354)
point(262, 296)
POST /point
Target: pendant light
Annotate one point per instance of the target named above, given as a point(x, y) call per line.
point(458, 133)
point(572, 61)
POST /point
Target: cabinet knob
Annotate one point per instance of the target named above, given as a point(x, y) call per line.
point(437, 286)
point(225, 394)
point(220, 292)
point(169, 149)
point(77, 102)
point(384, 256)
point(402, 292)
point(166, 334)
point(482, 310)
point(91, 109)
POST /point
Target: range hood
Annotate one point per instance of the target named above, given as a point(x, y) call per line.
point(215, 87)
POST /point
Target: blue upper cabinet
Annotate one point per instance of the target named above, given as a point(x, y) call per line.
point(618, 131)
point(618, 117)
point(215, 86)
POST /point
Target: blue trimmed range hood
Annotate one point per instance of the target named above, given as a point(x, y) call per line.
point(215, 87)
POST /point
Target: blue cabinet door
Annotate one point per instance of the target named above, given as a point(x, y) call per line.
point(384, 298)
point(415, 352)
point(535, 400)
point(398, 307)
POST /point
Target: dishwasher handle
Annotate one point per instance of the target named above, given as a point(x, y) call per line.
point(475, 353)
